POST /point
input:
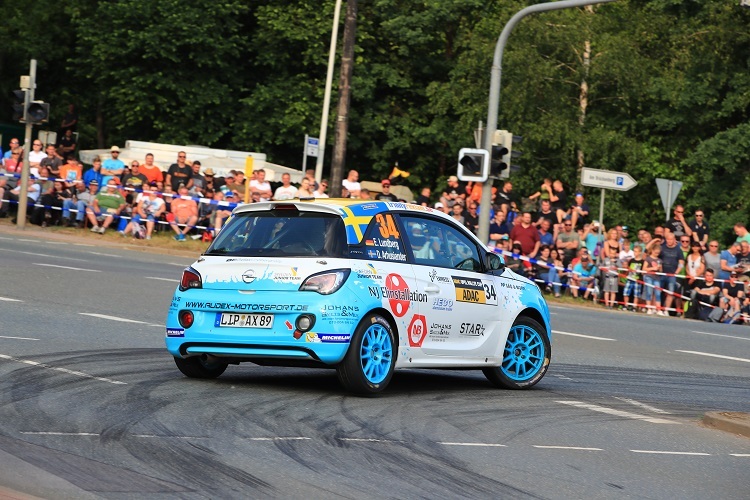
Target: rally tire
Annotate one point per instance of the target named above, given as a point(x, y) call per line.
point(198, 367)
point(526, 356)
point(368, 365)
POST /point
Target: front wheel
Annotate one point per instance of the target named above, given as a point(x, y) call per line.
point(200, 366)
point(368, 365)
point(525, 358)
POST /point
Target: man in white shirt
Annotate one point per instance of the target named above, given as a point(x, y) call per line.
point(286, 191)
point(261, 186)
point(351, 184)
point(35, 157)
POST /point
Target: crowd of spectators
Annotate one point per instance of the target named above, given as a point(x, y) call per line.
point(673, 269)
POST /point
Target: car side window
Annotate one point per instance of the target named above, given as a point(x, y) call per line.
point(382, 240)
point(435, 243)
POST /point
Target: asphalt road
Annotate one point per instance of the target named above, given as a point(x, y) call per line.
point(92, 406)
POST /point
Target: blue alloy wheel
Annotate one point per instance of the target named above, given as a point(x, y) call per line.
point(524, 353)
point(368, 365)
point(376, 353)
point(525, 357)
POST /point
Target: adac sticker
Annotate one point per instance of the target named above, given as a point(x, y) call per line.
point(417, 330)
point(175, 332)
point(469, 290)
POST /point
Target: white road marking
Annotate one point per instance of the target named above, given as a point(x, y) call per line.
point(739, 454)
point(56, 243)
point(68, 267)
point(28, 241)
point(720, 335)
point(162, 279)
point(446, 443)
point(9, 239)
point(658, 452)
point(566, 448)
point(83, 245)
point(56, 257)
point(16, 338)
point(8, 299)
point(558, 332)
point(643, 405)
point(49, 433)
point(114, 318)
point(562, 377)
point(618, 413)
point(177, 264)
point(715, 355)
point(64, 370)
point(370, 440)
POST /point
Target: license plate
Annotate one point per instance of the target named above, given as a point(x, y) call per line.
point(236, 320)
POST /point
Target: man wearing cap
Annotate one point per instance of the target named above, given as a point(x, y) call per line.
point(386, 195)
point(453, 193)
point(179, 173)
point(106, 205)
point(112, 166)
point(151, 171)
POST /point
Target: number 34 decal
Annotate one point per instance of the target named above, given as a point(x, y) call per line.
point(489, 292)
point(387, 226)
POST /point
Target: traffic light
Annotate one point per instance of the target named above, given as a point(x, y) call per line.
point(37, 112)
point(502, 153)
point(473, 165)
point(19, 105)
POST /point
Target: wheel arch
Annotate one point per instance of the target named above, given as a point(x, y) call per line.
point(386, 314)
point(537, 316)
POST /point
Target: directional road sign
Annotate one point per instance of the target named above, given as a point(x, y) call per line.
point(607, 179)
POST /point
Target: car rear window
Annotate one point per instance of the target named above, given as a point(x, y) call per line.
point(284, 233)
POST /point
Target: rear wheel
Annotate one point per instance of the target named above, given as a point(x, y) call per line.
point(368, 365)
point(200, 366)
point(525, 358)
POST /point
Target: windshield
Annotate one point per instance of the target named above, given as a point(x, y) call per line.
point(281, 233)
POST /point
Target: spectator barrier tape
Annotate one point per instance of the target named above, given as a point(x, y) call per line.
point(622, 273)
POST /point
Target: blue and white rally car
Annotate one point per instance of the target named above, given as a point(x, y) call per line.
point(360, 286)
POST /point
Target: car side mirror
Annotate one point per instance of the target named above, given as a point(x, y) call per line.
point(495, 262)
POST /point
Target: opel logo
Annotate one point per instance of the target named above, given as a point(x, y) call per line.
point(248, 276)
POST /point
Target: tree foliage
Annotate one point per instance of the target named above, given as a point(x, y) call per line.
point(668, 86)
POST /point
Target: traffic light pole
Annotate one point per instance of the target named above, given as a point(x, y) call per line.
point(494, 100)
point(23, 195)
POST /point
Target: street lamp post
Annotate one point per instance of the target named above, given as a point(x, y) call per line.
point(494, 99)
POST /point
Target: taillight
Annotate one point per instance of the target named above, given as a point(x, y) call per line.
point(186, 318)
point(190, 279)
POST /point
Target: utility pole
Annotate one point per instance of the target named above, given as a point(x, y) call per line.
point(23, 195)
point(494, 99)
point(342, 118)
point(327, 95)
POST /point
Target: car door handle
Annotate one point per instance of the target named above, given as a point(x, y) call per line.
point(432, 289)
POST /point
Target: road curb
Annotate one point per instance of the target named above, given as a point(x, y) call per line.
point(730, 421)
